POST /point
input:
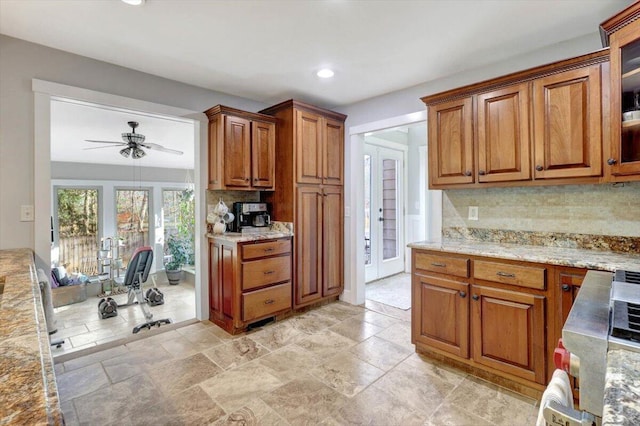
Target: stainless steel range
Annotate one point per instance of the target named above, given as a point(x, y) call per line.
point(604, 316)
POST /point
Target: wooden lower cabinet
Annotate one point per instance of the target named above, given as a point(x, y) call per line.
point(508, 329)
point(492, 317)
point(441, 309)
point(248, 281)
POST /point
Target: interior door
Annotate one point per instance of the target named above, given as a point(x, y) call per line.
point(384, 212)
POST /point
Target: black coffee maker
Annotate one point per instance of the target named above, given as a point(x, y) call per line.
point(250, 217)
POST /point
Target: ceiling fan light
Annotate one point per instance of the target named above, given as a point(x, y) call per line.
point(125, 152)
point(138, 153)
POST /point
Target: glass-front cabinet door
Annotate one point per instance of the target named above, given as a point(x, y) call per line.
point(624, 38)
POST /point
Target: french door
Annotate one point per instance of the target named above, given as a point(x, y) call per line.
point(383, 211)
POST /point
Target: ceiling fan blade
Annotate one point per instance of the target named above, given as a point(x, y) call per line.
point(157, 147)
point(99, 147)
point(119, 143)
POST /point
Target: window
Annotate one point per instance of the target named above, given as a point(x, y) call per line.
point(132, 221)
point(178, 207)
point(77, 228)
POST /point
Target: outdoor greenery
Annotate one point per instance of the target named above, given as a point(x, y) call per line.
point(180, 224)
point(77, 212)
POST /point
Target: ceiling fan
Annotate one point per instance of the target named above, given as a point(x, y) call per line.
point(133, 144)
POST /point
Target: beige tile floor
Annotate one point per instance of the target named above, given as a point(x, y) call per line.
point(334, 365)
point(81, 327)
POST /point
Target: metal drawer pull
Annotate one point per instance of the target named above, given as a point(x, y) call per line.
point(441, 265)
point(269, 272)
point(267, 250)
point(269, 301)
point(505, 274)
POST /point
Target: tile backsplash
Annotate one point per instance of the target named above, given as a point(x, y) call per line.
point(606, 209)
point(230, 197)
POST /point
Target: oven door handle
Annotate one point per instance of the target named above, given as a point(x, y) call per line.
point(557, 414)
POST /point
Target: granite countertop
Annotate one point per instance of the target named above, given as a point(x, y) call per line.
point(622, 389)
point(276, 230)
point(574, 257)
point(28, 391)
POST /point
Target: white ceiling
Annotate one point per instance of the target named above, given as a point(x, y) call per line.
point(72, 123)
point(269, 50)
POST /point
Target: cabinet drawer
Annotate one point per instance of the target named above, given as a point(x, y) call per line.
point(270, 248)
point(525, 276)
point(442, 264)
point(266, 271)
point(267, 301)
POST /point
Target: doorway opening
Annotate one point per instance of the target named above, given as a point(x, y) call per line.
point(394, 213)
point(106, 207)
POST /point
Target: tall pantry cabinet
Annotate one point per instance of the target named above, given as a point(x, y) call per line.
point(309, 192)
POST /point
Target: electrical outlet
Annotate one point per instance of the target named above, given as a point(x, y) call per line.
point(347, 211)
point(473, 213)
point(26, 214)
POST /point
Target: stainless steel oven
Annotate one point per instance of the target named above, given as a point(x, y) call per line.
point(604, 316)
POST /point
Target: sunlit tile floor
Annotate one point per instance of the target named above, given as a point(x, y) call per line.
point(333, 365)
point(81, 327)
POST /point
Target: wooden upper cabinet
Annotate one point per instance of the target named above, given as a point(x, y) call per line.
point(333, 166)
point(503, 134)
point(237, 152)
point(309, 147)
point(568, 124)
point(541, 123)
point(263, 141)
point(241, 149)
point(451, 143)
point(622, 31)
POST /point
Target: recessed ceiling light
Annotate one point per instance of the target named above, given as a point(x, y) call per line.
point(325, 73)
point(133, 2)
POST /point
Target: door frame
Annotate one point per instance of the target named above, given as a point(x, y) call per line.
point(403, 180)
point(43, 92)
point(354, 291)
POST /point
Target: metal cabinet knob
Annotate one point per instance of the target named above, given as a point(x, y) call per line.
point(482, 172)
point(539, 168)
point(475, 297)
point(611, 161)
point(467, 173)
point(463, 294)
point(566, 287)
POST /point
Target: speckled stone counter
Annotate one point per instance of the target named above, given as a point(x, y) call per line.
point(28, 392)
point(622, 389)
point(577, 258)
point(276, 230)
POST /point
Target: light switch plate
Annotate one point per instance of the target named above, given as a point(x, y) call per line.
point(347, 211)
point(473, 213)
point(26, 213)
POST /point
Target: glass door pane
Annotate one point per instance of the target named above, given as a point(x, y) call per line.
point(389, 208)
point(367, 209)
point(630, 79)
point(132, 212)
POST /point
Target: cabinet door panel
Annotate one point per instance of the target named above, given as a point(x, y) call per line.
point(568, 124)
point(308, 243)
point(215, 284)
point(451, 143)
point(237, 151)
point(508, 332)
point(334, 152)
point(332, 231)
point(309, 150)
point(226, 278)
point(441, 316)
point(503, 134)
point(263, 140)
